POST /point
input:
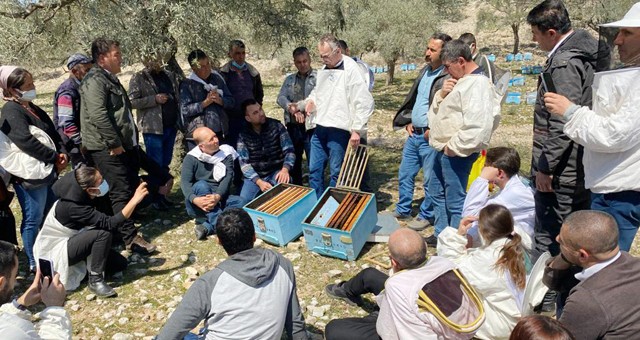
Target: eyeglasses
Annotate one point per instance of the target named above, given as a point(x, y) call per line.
point(326, 56)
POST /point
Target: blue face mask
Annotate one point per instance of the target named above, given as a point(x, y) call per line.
point(238, 66)
point(104, 188)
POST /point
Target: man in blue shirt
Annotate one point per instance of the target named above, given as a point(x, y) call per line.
point(413, 116)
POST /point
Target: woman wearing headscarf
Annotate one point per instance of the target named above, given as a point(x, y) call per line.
point(30, 150)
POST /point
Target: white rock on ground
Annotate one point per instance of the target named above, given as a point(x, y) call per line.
point(334, 273)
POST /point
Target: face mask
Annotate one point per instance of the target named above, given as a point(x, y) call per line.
point(104, 188)
point(238, 66)
point(28, 96)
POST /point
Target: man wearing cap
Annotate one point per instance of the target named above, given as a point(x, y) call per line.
point(610, 132)
point(66, 107)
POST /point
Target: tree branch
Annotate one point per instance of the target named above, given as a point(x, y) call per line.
point(33, 7)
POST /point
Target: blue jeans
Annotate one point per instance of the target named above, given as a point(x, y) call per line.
point(160, 147)
point(250, 190)
point(327, 144)
point(35, 203)
point(209, 219)
point(417, 154)
point(448, 188)
point(624, 206)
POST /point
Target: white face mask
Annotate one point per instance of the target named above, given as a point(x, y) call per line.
point(28, 96)
point(104, 188)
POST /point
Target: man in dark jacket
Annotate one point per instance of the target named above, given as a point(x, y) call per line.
point(111, 138)
point(605, 302)
point(204, 97)
point(207, 173)
point(66, 107)
point(244, 83)
point(266, 152)
point(417, 153)
point(556, 165)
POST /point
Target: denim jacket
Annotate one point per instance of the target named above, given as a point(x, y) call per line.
point(287, 93)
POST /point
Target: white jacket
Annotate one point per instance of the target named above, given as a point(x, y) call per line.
point(478, 267)
point(342, 98)
point(16, 324)
point(19, 163)
point(51, 244)
point(516, 196)
point(400, 318)
point(610, 133)
point(465, 120)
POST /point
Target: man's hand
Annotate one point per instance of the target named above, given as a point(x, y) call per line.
point(282, 176)
point(543, 182)
point(292, 108)
point(299, 117)
point(355, 139)
point(409, 129)
point(32, 295)
point(206, 203)
point(166, 188)
point(310, 107)
point(212, 97)
point(53, 293)
point(556, 103)
point(263, 185)
point(426, 135)
point(465, 225)
point(141, 192)
point(161, 98)
point(116, 151)
point(448, 152)
point(447, 87)
point(62, 161)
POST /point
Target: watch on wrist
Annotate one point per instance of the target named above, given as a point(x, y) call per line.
point(18, 305)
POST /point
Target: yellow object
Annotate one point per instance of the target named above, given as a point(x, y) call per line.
point(477, 168)
point(426, 304)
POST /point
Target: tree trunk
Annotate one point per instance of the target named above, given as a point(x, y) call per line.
point(391, 65)
point(516, 37)
point(173, 66)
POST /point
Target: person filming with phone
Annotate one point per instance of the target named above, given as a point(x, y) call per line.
point(15, 318)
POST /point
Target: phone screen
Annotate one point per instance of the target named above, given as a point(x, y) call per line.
point(46, 269)
point(547, 82)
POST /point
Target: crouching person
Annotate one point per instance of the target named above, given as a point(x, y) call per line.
point(76, 233)
point(15, 319)
point(422, 299)
point(207, 174)
point(250, 295)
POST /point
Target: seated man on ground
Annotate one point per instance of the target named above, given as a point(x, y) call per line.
point(206, 176)
point(605, 303)
point(501, 170)
point(250, 295)
point(400, 316)
point(15, 319)
point(266, 152)
point(74, 230)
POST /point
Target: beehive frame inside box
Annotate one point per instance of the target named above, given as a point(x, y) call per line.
point(278, 213)
point(344, 233)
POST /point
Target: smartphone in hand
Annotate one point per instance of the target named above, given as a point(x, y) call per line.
point(46, 269)
point(547, 82)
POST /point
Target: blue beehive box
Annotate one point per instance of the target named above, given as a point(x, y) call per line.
point(513, 98)
point(335, 242)
point(283, 225)
point(509, 57)
point(518, 57)
point(536, 69)
point(492, 58)
point(516, 81)
point(525, 69)
point(528, 56)
point(531, 97)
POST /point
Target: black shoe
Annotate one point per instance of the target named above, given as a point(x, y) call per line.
point(336, 291)
point(432, 241)
point(201, 232)
point(98, 287)
point(167, 203)
point(141, 246)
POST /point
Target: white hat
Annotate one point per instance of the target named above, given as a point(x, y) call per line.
point(631, 19)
